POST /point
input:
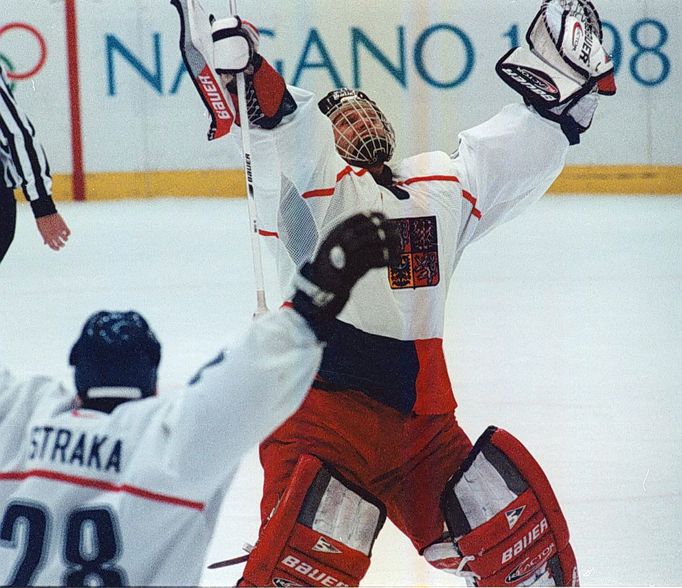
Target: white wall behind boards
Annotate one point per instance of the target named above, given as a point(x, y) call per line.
point(429, 64)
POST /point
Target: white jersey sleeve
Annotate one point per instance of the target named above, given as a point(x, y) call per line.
point(506, 164)
point(305, 145)
point(241, 396)
point(131, 497)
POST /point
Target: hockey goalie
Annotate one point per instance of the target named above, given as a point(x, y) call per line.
point(377, 435)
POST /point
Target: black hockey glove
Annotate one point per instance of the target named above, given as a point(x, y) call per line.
point(351, 249)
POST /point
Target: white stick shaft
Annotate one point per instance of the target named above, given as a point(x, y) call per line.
point(261, 306)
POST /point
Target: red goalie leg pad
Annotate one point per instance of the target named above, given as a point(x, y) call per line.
point(321, 533)
point(505, 518)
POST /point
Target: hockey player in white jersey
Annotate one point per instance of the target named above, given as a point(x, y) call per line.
point(99, 490)
point(383, 391)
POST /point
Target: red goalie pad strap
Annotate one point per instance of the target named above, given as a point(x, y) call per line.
point(300, 544)
point(522, 569)
point(312, 559)
point(521, 542)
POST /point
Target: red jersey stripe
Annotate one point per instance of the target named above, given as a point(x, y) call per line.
point(434, 389)
point(436, 178)
point(320, 192)
point(264, 233)
point(330, 191)
point(468, 197)
point(349, 170)
point(102, 485)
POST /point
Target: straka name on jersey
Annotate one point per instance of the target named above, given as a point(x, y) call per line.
point(76, 448)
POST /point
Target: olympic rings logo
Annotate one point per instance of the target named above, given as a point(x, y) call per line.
point(12, 72)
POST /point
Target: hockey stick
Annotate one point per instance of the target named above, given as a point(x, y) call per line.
point(234, 560)
point(196, 48)
point(261, 306)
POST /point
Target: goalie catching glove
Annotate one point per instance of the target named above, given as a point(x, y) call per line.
point(351, 249)
point(565, 66)
point(235, 50)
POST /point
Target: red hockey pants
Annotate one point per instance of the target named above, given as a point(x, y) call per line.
point(404, 461)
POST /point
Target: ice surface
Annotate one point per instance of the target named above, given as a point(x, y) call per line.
point(565, 327)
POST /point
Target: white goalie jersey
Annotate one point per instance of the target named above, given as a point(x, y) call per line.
point(131, 497)
point(388, 341)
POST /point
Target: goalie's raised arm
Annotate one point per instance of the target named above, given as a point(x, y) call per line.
point(565, 66)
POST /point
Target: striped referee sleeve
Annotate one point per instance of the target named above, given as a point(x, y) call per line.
point(22, 158)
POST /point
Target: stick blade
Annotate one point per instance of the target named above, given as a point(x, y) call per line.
point(228, 562)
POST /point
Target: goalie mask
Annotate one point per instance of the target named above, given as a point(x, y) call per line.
point(362, 133)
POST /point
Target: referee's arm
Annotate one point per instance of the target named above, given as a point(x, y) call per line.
point(24, 165)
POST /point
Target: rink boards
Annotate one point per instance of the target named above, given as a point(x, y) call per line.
point(142, 129)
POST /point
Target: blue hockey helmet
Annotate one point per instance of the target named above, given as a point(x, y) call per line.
point(115, 358)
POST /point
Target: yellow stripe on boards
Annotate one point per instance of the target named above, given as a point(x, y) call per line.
point(125, 185)
point(619, 179)
point(575, 179)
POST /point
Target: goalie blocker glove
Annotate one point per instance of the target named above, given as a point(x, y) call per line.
point(235, 50)
point(564, 68)
point(351, 249)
